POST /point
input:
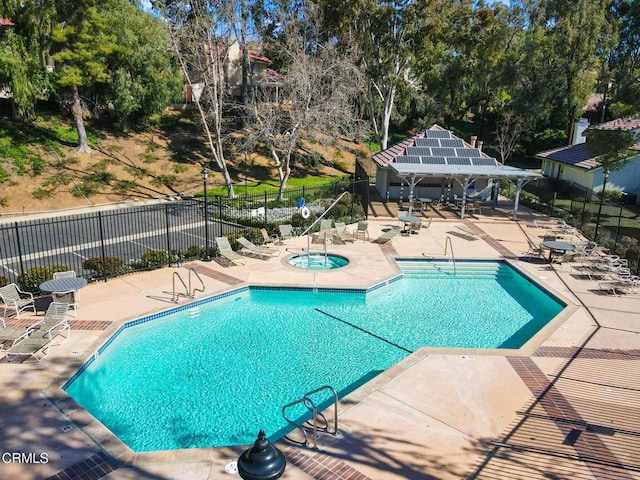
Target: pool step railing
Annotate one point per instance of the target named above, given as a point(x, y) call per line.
point(317, 423)
point(188, 291)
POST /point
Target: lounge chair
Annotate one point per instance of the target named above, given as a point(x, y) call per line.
point(268, 239)
point(342, 234)
point(70, 297)
point(286, 232)
point(621, 285)
point(251, 248)
point(388, 236)
point(224, 247)
point(362, 231)
point(44, 335)
point(13, 297)
point(475, 232)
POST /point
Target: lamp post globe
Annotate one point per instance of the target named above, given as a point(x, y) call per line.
point(263, 461)
point(605, 175)
point(205, 174)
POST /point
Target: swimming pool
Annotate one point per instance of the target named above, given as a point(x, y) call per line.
point(212, 374)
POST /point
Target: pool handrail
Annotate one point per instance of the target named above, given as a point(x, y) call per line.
point(453, 257)
point(317, 220)
point(310, 405)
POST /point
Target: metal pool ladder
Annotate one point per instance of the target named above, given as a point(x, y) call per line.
point(317, 422)
point(187, 287)
point(447, 242)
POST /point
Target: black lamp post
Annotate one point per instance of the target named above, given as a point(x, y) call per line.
point(206, 256)
point(263, 461)
point(605, 175)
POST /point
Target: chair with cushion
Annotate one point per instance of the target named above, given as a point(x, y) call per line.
point(14, 298)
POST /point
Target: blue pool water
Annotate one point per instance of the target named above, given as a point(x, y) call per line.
point(215, 374)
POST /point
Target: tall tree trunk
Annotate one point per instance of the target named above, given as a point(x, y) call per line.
point(76, 111)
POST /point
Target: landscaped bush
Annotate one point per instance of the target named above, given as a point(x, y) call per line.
point(3, 281)
point(155, 258)
point(31, 279)
point(105, 267)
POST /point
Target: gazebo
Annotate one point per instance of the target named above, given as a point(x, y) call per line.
point(430, 161)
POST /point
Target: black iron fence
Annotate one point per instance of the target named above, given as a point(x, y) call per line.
point(611, 220)
point(105, 243)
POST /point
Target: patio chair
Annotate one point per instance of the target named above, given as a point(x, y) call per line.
point(71, 297)
point(42, 336)
point(13, 297)
point(286, 232)
point(224, 247)
point(362, 231)
point(268, 239)
point(342, 234)
point(251, 248)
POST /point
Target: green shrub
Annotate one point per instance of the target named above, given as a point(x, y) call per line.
point(31, 279)
point(4, 281)
point(155, 258)
point(105, 267)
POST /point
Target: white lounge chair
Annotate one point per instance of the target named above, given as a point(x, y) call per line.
point(70, 297)
point(268, 239)
point(42, 336)
point(251, 248)
point(224, 247)
point(286, 232)
point(13, 297)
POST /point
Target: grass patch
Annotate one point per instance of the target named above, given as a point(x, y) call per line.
point(270, 185)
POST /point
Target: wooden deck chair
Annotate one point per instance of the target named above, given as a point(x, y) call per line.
point(14, 298)
point(226, 252)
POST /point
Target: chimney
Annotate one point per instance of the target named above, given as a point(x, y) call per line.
point(578, 132)
point(473, 141)
point(480, 142)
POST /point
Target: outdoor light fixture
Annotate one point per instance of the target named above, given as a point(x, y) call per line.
point(206, 256)
point(263, 461)
point(605, 175)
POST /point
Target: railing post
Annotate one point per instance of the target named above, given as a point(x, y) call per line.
point(19, 244)
point(166, 216)
point(102, 246)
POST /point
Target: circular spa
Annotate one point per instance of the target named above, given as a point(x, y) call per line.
point(211, 373)
point(318, 261)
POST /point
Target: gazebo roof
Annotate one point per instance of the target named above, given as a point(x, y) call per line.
point(438, 152)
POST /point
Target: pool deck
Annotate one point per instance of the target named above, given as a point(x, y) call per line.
point(567, 406)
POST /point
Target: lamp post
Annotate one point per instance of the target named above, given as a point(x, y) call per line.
point(605, 175)
point(206, 256)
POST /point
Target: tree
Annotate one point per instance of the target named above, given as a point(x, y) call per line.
point(200, 34)
point(508, 132)
point(315, 101)
point(611, 147)
point(82, 44)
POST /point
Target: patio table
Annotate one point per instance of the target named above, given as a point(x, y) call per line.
point(63, 285)
point(557, 246)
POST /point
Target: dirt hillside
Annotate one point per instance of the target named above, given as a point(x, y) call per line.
point(164, 162)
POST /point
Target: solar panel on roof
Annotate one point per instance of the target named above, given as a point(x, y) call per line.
point(433, 160)
point(445, 152)
point(437, 134)
point(427, 142)
point(472, 152)
point(452, 143)
point(407, 159)
point(483, 161)
point(420, 151)
point(458, 160)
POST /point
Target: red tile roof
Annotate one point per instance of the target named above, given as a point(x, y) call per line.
point(5, 22)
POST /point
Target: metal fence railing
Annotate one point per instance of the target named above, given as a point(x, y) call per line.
point(613, 223)
point(105, 243)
